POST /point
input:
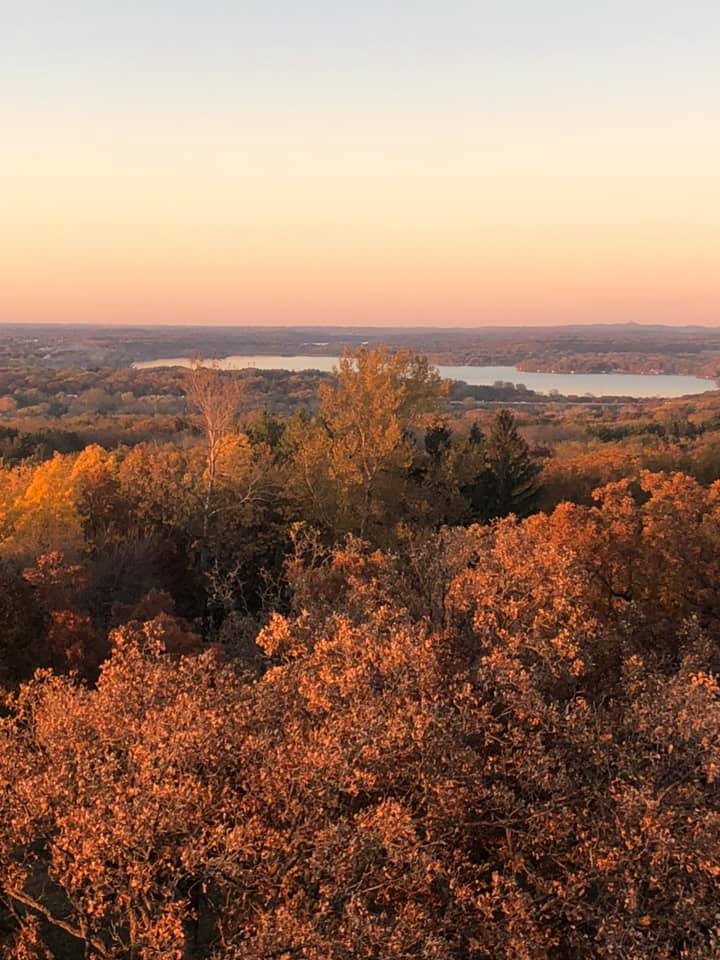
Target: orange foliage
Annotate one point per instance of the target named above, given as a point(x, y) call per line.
point(532, 774)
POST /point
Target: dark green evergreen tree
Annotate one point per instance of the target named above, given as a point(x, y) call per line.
point(437, 442)
point(513, 472)
point(477, 487)
point(267, 429)
point(476, 438)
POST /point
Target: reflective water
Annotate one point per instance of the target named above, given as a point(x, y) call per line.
point(577, 384)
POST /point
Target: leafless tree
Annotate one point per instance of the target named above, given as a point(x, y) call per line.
point(218, 400)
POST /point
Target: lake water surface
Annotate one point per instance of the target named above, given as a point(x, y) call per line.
point(569, 384)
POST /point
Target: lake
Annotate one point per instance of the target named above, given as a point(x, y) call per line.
point(578, 384)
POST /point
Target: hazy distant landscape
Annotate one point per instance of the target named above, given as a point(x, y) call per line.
point(613, 348)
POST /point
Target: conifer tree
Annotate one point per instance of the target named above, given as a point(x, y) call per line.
point(513, 471)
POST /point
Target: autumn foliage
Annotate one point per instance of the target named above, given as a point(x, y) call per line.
point(492, 740)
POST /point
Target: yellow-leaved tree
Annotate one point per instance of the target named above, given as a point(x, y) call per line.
point(350, 462)
point(54, 505)
point(45, 514)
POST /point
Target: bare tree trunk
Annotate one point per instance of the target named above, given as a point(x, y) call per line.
point(366, 508)
point(210, 487)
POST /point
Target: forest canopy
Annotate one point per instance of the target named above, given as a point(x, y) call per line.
point(364, 680)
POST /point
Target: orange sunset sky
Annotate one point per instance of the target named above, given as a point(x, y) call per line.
point(410, 163)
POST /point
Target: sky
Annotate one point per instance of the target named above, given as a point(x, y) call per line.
point(398, 162)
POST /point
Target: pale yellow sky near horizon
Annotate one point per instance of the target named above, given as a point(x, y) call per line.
point(228, 163)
